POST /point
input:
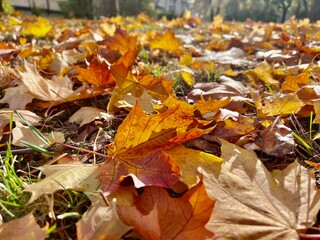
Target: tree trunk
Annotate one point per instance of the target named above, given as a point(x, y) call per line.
point(315, 11)
point(107, 8)
point(285, 5)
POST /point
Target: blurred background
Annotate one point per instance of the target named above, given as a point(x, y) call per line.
point(240, 10)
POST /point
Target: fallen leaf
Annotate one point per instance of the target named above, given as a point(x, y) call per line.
point(283, 104)
point(23, 228)
point(101, 222)
point(294, 83)
point(252, 203)
point(187, 77)
point(24, 133)
point(121, 41)
point(55, 89)
point(233, 56)
point(139, 149)
point(87, 115)
point(17, 97)
point(262, 72)
point(59, 177)
point(5, 116)
point(166, 41)
point(98, 73)
point(158, 216)
point(38, 28)
point(189, 160)
point(219, 90)
point(316, 106)
point(277, 139)
point(147, 89)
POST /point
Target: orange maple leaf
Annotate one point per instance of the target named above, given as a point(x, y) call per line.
point(98, 73)
point(121, 41)
point(102, 73)
point(139, 149)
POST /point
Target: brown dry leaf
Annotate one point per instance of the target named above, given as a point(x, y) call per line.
point(231, 128)
point(158, 216)
point(219, 90)
point(88, 114)
point(24, 133)
point(262, 72)
point(166, 41)
point(23, 228)
point(55, 89)
point(65, 176)
point(17, 97)
point(252, 203)
point(5, 115)
point(277, 139)
point(101, 222)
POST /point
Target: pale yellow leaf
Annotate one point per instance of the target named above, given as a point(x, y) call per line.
point(101, 222)
point(24, 133)
point(22, 228)
point(16, 97)
point(5, 115)
point(58, 177)
point(252, 203)
point(55, 89)
point(87, 115)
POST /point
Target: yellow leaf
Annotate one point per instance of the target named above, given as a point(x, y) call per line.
point(188, 78)
point(262, 72)
point(186, 59)
point(39, 29)
point(280, 105)
point(294, 83)
point(217, 21)
point(316, 106)
point(166, 41)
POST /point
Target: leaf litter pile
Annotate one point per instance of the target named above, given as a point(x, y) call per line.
point(135, 128)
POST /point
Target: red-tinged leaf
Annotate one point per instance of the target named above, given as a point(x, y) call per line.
point(277, 139)
point(233, 129)
point(139, 149)
point(155, 168)
point(158, 216)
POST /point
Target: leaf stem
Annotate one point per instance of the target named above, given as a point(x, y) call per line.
point(81, 149)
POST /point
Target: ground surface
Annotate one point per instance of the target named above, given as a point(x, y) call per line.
point(138, 128)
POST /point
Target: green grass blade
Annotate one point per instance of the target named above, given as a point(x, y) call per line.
point(33, 129)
